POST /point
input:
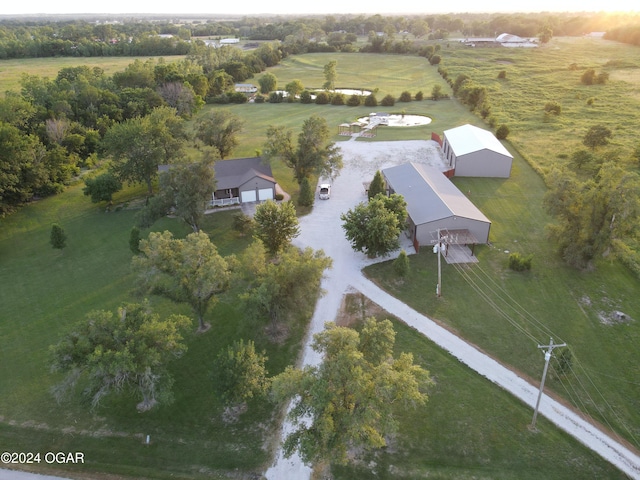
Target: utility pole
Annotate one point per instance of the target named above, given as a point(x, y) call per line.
point(547, 357)
point(437, 249)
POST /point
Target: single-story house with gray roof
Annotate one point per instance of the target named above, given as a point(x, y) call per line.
point(474, 152)
point(240, 180)
point(434, 203)
point(243, 179)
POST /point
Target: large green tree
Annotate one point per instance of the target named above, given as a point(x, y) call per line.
point(268, 82)
point(185, 190)
point(102, 187)
point(374, 228)
point(276, 225)
point(139, 145)
point(314, 154)
point(239, 373)
point(597, 136)
point(277, 291)
point(330, 75)
point(220, 129)
point(592, 215)
point(22, 169)
point(350, 400)
point(128, 352)
point(188, 270)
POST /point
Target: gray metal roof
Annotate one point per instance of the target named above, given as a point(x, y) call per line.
point(467, 139)
point(236, 172)
point(430, 196)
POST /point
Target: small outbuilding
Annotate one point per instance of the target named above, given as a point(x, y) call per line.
point(473, 152)
point(245, 88)
point(435, 204)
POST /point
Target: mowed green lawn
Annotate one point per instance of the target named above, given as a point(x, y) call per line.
point(43, 292)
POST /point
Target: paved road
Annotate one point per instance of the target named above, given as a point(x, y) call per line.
point(16, 475)
point(322, 229)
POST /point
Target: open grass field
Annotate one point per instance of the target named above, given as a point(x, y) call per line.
point(12, 70)
point(535, 76)
point(474, 430)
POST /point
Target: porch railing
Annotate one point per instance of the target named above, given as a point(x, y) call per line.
point(223, 202)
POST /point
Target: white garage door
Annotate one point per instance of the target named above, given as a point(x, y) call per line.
point(248, 196)
point(265, 194)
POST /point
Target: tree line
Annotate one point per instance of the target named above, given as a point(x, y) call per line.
point(304, 34)
point(54, 127)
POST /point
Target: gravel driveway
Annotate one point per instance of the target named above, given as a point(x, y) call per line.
point(322, 229)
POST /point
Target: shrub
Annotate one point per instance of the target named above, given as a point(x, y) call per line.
point(588, 77)
point(419, 96)
point(242, 223)
point(502, 74)
point(354, 100)
point(388, 101)
point(322, 98)
point(278, 197)
point(238, 97)
point(58, 238)
point(436, 92)
point(376, 186)
point(306, 197)
point(519, 263)
point(435, 59)
point(401, 264)
point(259, 99)
point(337, 99)
point(221, 99)
point(275, 97)
point(553, 108)
point(502, 132)
point(405, 97)
point(134, 240)
point(305, 97)
point(370, 101)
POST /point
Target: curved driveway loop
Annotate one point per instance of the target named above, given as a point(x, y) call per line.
point(322, 230)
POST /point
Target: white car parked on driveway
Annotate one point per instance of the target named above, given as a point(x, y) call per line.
point(325, 191)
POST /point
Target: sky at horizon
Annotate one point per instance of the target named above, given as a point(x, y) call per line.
point(254, 7)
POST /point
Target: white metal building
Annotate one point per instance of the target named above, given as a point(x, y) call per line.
point(474, 152)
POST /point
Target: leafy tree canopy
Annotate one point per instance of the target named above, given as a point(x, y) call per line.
point(374, 227)
point(276, 225)
point(348, 402)
point(220, 129)
point(127, 352)
point(313, 154)
point(186, 270)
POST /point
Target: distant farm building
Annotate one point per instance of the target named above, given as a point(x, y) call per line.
point(245, 88)
point(502, 40)
point(473, 152)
